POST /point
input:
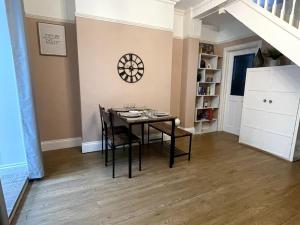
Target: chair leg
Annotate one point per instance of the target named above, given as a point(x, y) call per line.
point(140, 157)
point(113, 161)
point(148, 135)
point(106, 150)
point(162, 138)
point(102, 136)
point(190, 148)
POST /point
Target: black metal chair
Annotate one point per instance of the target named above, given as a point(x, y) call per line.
point(115, 139)
point(117, 128)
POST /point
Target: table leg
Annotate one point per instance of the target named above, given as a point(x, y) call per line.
point(129, 151)
point(172, 150)
point(142, 127)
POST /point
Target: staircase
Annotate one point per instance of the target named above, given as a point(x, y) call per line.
point(276, 21)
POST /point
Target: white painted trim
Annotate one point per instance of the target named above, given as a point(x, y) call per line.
point(224, 83)
point(171, 2)
point(61, 144)
point(95, 146)
point(121, 22)
point(179, 12)
point(92, 146)
point(236, 38)
point(49, 18)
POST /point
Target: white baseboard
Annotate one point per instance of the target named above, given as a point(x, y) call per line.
point(95, 146)
point(61, 144)
point(92, 146)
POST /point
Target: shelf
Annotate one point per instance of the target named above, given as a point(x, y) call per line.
point(205, 82)
point(207, 108)
point(207, 95)
point(205, 120)
point(209, 69)
point(210, 55)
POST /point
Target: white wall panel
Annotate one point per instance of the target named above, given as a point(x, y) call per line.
point(153, 13)
point(57, 9)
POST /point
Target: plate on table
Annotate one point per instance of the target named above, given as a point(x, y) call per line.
point(160, 114)
point(130, 114)
point(120, 110)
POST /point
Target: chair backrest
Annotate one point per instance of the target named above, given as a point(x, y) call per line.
point(101, 110)
point(108, 124)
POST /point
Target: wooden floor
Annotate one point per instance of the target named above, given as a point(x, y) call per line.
point(225, 183)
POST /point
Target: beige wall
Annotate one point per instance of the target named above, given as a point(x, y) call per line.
point(56, 86)
point(176, 76)
point(188, 81)
point(100, 46)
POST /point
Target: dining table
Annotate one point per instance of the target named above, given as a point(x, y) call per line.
point(142, 120)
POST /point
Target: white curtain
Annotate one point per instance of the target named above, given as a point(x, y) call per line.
point(15, 13)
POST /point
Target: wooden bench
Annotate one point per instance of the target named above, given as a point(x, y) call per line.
point(166, 128)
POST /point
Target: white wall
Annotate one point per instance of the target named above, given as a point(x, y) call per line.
point(151, 13)
point(56, 9)
point(233, 31)
point(178, 24)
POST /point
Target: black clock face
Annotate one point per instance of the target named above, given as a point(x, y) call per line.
point(131, 68)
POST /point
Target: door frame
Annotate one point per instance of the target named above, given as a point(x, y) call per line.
point(225, 70)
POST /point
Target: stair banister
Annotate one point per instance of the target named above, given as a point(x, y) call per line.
point(282, 13)
point(292, 16)
point(266, 4)
point(274, 7)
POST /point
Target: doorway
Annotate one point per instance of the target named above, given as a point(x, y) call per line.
point(237, 60)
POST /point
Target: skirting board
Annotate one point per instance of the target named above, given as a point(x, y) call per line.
point(61, 144)
point(96, 146)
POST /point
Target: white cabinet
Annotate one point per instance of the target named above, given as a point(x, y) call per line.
point(270, 117)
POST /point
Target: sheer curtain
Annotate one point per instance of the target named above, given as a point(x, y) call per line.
point(15, 14)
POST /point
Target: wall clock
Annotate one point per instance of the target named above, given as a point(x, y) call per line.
point(131, 68)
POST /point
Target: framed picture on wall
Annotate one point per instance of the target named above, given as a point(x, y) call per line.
point(52, 39)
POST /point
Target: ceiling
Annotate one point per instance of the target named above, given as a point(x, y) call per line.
point(186, 4)
point(219, 20)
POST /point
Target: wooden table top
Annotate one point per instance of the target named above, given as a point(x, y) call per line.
point(143, 118)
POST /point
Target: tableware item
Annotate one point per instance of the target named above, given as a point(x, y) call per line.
point(120, 109)
point(130, 115)
point(159, 114)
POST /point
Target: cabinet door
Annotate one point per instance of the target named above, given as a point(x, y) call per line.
point(286, 79)
point(283, 103)
point(251, 136)
point(258, 80)
point(280, 124)
point(277, 144)
point(256, 100)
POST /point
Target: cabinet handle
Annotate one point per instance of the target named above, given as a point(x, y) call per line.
point(270, 101)
point(265, 100)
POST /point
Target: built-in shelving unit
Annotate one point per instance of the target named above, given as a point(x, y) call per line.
point(208, 93)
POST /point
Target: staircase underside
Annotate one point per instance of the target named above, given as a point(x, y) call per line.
point(273, 30)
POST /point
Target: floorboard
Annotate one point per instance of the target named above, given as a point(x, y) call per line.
point(225, 183)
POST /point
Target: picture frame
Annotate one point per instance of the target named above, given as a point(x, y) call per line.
point(52, 39)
